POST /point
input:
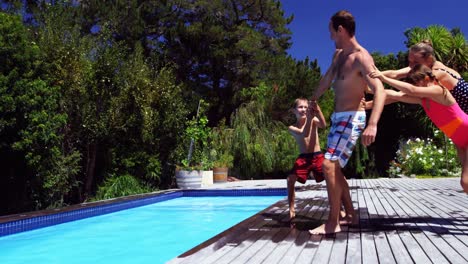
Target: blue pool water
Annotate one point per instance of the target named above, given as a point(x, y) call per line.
point(154, 233)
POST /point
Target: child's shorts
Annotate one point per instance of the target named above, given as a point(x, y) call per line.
point(307, 162)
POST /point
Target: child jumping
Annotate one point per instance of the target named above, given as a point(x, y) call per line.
point(438, 103)
point(309, 118)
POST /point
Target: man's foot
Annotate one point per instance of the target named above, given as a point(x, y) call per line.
point(292, 215)
point(342, 214)
point(350, 219)
point(326, 229)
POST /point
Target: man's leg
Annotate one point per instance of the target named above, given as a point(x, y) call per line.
point(350, 214)
point(332, 172)
point(291, 195)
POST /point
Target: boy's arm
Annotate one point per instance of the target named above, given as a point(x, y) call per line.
point(296, 131)
point(319, 119)
point(327, 79)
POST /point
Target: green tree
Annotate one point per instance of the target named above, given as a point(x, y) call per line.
point(31, 123)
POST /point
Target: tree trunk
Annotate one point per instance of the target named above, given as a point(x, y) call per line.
point(90, 168)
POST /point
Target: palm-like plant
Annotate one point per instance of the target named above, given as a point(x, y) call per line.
point(458, 58)
point(450, 47)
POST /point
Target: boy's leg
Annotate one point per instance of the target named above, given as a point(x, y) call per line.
point(291, 180)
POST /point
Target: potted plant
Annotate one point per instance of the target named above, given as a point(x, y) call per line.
point(221, 152)
point(189, 172)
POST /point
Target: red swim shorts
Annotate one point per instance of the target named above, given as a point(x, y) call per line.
point(307, 162)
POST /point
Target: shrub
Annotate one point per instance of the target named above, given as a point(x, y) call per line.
point(122, 185)
point(425, 157)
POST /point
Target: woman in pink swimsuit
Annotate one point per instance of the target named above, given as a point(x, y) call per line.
point(438, 103)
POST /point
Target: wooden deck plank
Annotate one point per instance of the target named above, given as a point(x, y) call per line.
point(403, 245)
point(288, 250)
point(317, 215)
point(353, 250)
point(262, 244)
point(376, 214)
point(248, 247)
point(437, 250)
point(422, 237)
point(390, 211)
point(369, 253)
point(401, 221)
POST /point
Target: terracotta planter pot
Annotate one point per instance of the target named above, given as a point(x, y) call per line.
point(220, 174)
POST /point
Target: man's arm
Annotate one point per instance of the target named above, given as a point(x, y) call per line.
point(367, 66)
point(397, 74)
point(327, 79)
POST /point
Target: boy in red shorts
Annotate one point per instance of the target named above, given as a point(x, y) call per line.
point(309, 118)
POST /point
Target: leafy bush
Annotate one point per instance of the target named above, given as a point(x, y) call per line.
point(122, 185)
point(425, 157)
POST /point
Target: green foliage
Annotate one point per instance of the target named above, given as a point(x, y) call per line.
point(121, 185)
point(61, 178)
point(197, 141)
point(425, 157)
point(254, 152)
point(32, 121)
point(146, 166)
point(397, 121)
point(93, 94)
point(286, 151)
point(221, 146)
point(290, 79)
point(450, 47)
point(220, 47)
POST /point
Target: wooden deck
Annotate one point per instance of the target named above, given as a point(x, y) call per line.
point(401, 221)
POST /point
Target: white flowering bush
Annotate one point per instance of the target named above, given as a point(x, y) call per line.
point(425, 157)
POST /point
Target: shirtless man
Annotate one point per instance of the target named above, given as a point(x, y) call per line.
point(349, 73)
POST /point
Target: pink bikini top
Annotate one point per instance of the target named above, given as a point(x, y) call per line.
point(450, 119)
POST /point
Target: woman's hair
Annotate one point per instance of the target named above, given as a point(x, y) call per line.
point(346, 20)
point(425, 49)
point(420, 72)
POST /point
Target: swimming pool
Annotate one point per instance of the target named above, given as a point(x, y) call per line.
point(153, 233)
